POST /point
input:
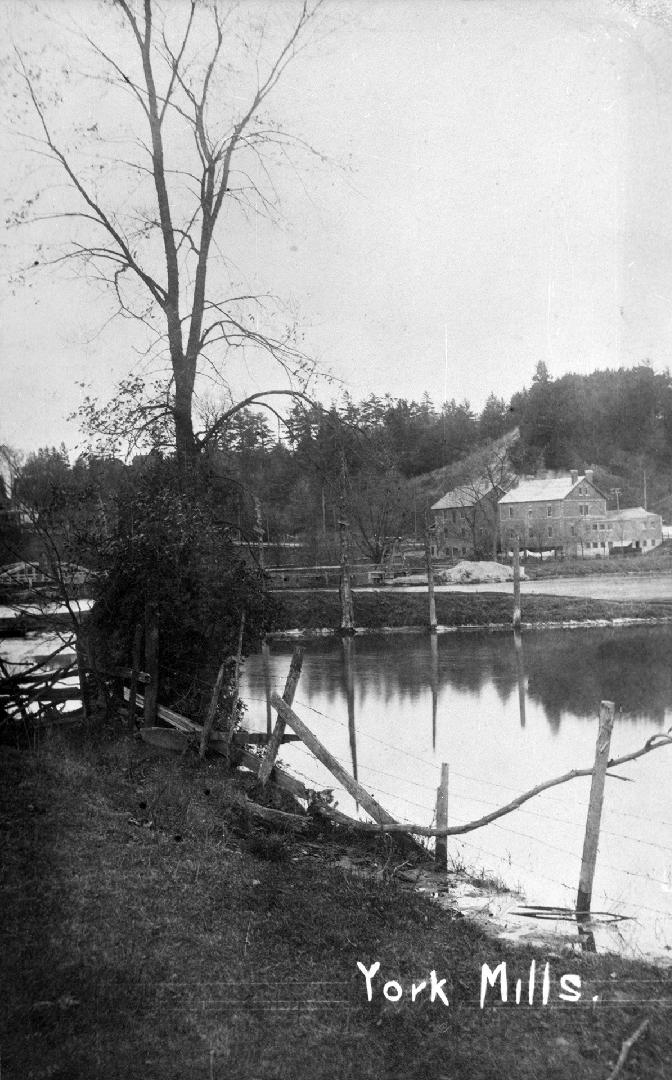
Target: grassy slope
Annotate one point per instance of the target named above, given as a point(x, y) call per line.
point(322, 609)
point(181, 950)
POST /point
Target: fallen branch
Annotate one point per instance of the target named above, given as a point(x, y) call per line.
point(626, 1048)
point(654, 743)
point(277, 817)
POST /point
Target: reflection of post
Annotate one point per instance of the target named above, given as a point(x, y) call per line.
point(349, 666)
point(430, 584)
point(585, 893)
point(266, 664)
point(434, 677)
point(516, 584)
point(441, 849)
point(520, 669)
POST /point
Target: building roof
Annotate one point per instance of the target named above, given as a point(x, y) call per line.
point(463, 497)
point(633, 513)
point(547, 489)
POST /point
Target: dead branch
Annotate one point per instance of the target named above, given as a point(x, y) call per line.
point(626, 1048)
point(654, 743)
point(278, 817)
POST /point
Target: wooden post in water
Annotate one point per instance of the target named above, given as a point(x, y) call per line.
point(275, 740)
point(516, 584)
point(441, 849)
point(135, 668)
point(585, 893)
point(151, 662)
point(345, 587)
point(430, 584)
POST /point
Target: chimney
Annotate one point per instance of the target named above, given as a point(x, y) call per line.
point(575, 476)
point(589, 475)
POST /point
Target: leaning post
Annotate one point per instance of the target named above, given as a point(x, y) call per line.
point(275, 740)
point(441, 849)
point(516, 584)
point(585, 893)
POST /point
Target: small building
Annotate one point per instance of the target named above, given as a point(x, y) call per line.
point(465, 521)
point(568, 515)
point(634, 530)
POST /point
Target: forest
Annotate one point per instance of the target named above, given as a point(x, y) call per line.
point(381, 462)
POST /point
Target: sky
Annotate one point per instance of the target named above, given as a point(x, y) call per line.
point(492, 190)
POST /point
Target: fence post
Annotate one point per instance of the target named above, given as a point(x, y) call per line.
point(441, 849)
point(212, 708)
point(151, 662)
point(516, 584)
point(430, 584)
point(135, 667)
point(236, 678)
point(275, 740)
point(84, 687)
point(585, 893)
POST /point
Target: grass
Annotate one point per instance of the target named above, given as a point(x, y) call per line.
point(658, 561)
point(151, 930)
point(314, 610)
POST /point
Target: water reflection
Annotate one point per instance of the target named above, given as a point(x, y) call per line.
point(565, 672)
point(506, 712)
point(348, 646)
point(520, 674)
point(434, 649)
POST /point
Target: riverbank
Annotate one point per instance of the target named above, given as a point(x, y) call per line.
point(320, 610)
point(151, 928)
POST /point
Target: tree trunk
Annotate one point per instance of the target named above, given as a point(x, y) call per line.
point(185, 442)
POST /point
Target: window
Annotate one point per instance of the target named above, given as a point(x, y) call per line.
point(549, 511)
point(510, 511)
point(594, 528)
point(583, 510)
point(550, 531)
point(573, 531)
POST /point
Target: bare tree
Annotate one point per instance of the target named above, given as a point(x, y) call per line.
point(156, 241)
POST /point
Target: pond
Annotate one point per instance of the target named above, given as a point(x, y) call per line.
point(505, 716)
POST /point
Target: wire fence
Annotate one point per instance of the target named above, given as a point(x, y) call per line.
point(412, 801)
point(392, 786)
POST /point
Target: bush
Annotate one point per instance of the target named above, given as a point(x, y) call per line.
point(173, 549)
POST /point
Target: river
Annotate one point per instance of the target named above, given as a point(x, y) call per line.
point(505, 717)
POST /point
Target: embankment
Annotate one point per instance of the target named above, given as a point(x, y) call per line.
point(319, 610)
